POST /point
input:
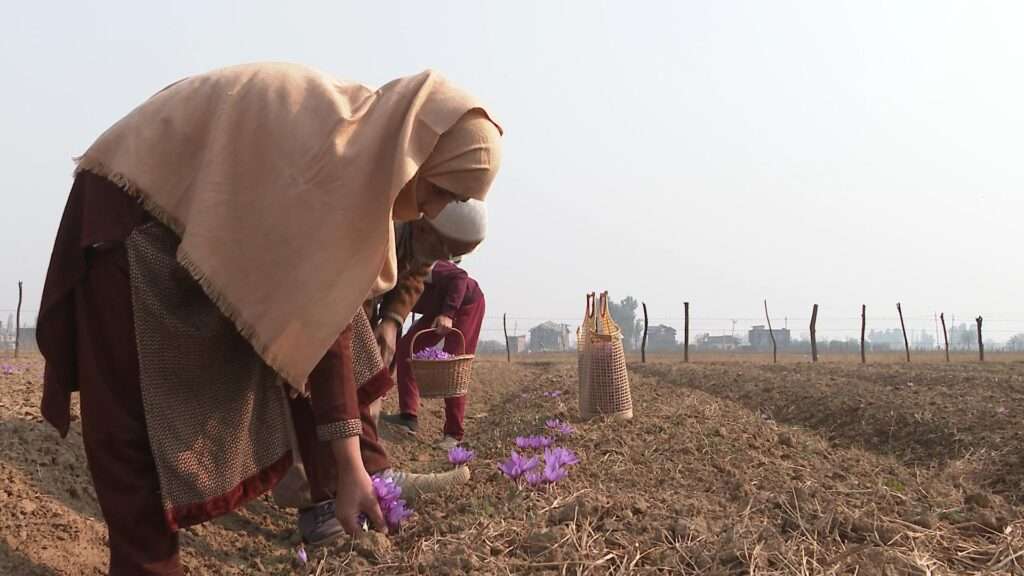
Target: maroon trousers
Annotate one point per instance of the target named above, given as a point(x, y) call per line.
point(114, 425)
point(468, 320)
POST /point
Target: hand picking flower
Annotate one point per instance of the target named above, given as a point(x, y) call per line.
point(389, 497)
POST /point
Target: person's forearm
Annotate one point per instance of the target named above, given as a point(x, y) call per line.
point(347, 458)
point(333, 392)
point(399, 302)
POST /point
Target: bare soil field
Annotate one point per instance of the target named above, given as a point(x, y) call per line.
point(729, 467)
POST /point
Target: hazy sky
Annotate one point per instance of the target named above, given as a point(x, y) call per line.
point(718, 152)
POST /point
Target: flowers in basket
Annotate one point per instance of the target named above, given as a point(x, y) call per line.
point(432, 354)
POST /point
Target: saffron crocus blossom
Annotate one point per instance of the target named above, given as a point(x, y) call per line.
point(301, 553)
point(560, 456)
point(553, 471)
point(533, 442)
point(396, 513)
point(517, 465)
point(559, 426)
point(9, 370)
point(432, 354)
point(459, 455)
point(389, 497)
point(553, 394)
point(535, 479)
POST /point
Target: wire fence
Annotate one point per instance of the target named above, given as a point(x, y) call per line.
point(924, 331)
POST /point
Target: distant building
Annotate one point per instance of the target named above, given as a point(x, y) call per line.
point(891, 339)
point(922, 340)
point(661, 338)
point(761, 339)
point(1015, 343)
point(549, 337)
point(517, 344)
point(490, 347)
point(963, 337)
point(709, 342)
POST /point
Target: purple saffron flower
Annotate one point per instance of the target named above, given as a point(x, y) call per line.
point(560, 456)
point(517, 465)
point(559, 426)
point(460, 456)
point(553, 394)
point(301, 553)
point(509, 468)
point(432, 354)
point(553, 472)
point(396, 513)
point(533, 442)
point(534, 479)
point(386, 489)
point(9, 370)
point(389, 496)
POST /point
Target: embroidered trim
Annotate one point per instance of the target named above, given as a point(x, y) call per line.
point(339, 429)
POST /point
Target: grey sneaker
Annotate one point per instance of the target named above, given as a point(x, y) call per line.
point(406, 423)
point(448, 442)
point(318, 523)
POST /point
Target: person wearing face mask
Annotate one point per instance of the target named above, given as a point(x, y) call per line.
point(216, 247)
point(454, 232)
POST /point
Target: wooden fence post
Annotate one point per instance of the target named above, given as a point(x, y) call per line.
point(814, 342)
point(643, 343)
point(17, 324)
point(504, 326)
point(863, 325)
point(686, 331)
point(775, 349)
point(945, 335)
point(981, 345)
point(906, 343)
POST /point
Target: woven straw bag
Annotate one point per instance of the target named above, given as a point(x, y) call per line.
point(604, 382)
point(446, 378)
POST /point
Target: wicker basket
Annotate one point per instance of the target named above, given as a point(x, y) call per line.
point(604, 381)
point(446, 378)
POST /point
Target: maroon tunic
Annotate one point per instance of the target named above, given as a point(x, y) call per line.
point(453, 293)
point(86, 334)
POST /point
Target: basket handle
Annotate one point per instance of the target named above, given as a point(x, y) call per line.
point(462, 338)
point(591, 305)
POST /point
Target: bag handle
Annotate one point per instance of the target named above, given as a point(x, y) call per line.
point(462, 339)
point(591, 305)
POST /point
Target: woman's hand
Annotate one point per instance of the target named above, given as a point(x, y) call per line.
point(443, 325)
point(354, 493)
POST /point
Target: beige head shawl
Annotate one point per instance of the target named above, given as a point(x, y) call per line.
point(464, 162)
point(281, 182)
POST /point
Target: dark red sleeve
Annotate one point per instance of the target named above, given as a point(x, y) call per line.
point(332, 389)
point(453, 282)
